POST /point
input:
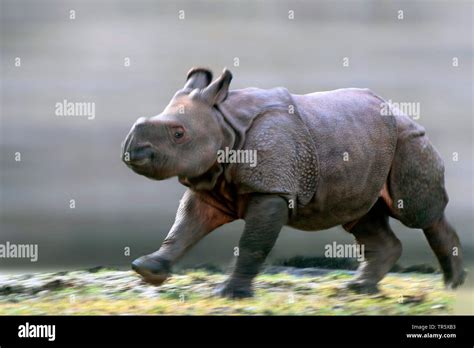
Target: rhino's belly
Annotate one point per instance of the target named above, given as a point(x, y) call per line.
point(313, 217)
point(349, 184)
point(340, 200)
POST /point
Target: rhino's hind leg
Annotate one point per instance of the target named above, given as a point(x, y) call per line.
point(419, 198)
point(445, 244)
point(381, 248)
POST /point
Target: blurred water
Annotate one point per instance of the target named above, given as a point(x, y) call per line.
point(83, 60)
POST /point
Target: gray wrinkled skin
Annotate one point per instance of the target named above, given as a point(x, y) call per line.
point(324, 159)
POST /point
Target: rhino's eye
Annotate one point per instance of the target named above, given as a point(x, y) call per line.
point(178, 134)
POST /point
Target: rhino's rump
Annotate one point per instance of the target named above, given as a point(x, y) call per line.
point(355, 144)
point(416, 181)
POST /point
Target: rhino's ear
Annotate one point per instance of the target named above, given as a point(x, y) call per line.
point(198, 78)
point(217, 91)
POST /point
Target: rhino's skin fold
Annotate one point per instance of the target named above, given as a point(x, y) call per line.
point(324, 159)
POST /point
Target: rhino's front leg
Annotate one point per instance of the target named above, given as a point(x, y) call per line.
point(194, 220)
point(265, 216)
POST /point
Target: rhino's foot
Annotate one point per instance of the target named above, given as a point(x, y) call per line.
point(444, 241)
point(153, 270)
point(456, 279)
point(362, 287)
point(233, 291)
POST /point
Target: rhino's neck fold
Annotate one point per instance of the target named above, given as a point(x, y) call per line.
point(208, 180)
point(232, 128)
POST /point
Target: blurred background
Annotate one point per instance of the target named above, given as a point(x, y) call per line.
point(82, 60)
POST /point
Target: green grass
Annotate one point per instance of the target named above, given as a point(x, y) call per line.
point(118, 292)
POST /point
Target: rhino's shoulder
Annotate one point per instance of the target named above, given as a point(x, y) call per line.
point(286, 159)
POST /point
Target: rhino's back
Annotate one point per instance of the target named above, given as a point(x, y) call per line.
point(355, 145)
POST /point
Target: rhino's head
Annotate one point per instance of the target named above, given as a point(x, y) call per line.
point(184, 139)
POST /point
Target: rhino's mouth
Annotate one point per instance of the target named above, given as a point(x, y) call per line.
point(147, 167)
point(139, 163)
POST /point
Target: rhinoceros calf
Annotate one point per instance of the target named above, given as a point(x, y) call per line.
point(322, 159)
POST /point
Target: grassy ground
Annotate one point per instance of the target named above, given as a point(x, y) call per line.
point(122, 292)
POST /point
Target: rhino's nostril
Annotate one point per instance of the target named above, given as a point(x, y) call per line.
point(140, 155)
